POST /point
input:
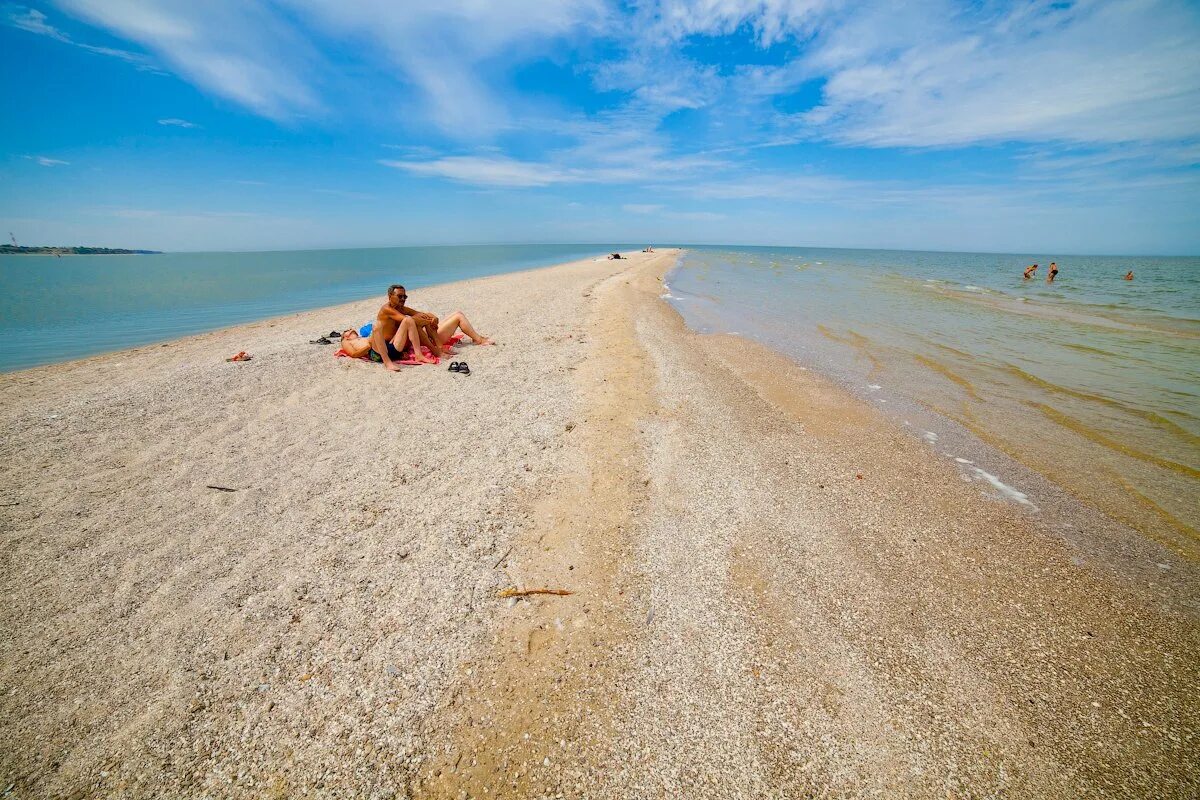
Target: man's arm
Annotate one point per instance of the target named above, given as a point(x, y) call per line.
point(421, 317)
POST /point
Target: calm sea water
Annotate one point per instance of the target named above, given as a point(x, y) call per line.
point(55, 309)
point(1092, 381)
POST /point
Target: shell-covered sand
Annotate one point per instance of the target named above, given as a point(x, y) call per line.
point(775, 592)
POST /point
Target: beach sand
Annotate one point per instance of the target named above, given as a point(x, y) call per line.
point(776, 592)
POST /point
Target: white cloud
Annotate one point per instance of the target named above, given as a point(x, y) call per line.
point(48, 162)
point(268, 56)
point(34, 21)
point(178, 123)
point(770, 20)
point(245, 51)
point(940, 75)
point(483, 171)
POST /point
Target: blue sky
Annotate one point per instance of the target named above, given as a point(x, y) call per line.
point(279, 124)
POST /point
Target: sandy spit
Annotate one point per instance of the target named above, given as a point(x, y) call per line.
point(775, 592)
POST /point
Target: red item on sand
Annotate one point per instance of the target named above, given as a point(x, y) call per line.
point(409, 360)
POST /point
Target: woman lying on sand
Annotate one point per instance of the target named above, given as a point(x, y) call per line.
point(410, 335)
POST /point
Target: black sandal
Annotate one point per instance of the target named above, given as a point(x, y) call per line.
point(453, 366)
point(320, 340)
point(334, 335)
point(463, 369)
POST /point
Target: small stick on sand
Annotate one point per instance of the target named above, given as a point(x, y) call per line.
point(221, 488)
point(526, 592)
point(501, 559)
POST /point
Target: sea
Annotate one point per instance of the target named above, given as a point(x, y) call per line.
point(1091, 381)
point(57, 309)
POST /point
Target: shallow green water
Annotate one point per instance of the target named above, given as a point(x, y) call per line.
point(1092, 380)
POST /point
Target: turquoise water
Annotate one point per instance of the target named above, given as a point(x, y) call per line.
point(55, 309)
point(1092, 381)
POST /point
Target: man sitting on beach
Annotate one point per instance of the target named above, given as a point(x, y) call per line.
point(390, 336)
point(406, 342)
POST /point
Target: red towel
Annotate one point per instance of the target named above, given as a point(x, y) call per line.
point(408, 360)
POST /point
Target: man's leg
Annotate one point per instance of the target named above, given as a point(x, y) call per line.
point(406, 336)
point(458, 321)
point(379, 344)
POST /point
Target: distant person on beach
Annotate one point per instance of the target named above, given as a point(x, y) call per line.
point(1053, 273)
point(611, 256)
point(1129, 275)
point(1032, 268)
point(649, 249)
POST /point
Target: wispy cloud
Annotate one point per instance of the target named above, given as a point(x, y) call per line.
point(484, 171)
point(178, 123)
point(245, 51)
point(34, 21)
point(48, 162)
point(932, 74)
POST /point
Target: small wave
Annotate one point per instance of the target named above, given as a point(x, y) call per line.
point(947, 373)
point(1083, 348)
point(1003, 488)
point(1099, 438)
point(1152, 417)
point(1166, 516)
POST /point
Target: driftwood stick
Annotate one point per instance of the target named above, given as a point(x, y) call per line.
point(513, 592)
point(220, 488)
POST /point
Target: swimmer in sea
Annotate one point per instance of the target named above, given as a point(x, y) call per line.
point(1053, 273)
point(1032, 268)
point(1129, 275)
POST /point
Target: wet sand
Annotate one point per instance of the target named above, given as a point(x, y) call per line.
point(776, 592)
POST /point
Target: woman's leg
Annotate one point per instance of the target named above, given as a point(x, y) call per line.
point(458, 321)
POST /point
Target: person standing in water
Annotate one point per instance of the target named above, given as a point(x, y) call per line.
point(1032, 268)
point(1129, 275)
point(1053, 273)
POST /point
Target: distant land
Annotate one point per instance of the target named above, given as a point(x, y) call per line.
point(17, 250)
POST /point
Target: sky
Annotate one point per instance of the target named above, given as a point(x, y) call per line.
point(1024, 127)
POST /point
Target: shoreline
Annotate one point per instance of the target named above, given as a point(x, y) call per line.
point(749, 616)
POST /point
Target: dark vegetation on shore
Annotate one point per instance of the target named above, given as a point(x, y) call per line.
point(17, 250)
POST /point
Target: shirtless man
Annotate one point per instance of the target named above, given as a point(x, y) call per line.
point(386, 332)
point(431, 332)
point(1053, 273)
point(1032, 268)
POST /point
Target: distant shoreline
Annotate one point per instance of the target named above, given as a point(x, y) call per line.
point(9, 250)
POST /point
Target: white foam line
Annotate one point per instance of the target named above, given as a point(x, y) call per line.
point(929, 436)
point(964, 461)
point(874, 387)
point(1004, 488)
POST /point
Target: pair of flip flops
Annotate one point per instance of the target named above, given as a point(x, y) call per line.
point(460, 367)
point(326, 338)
